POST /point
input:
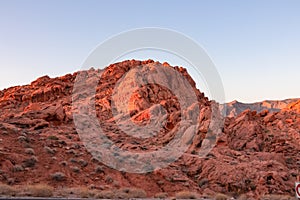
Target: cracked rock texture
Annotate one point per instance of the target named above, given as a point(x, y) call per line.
point(255, 153)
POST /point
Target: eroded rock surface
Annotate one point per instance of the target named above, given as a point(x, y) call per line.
point(256, 153)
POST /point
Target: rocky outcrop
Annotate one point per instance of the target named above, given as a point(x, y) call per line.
point(234, 108)
point(295, 106)
point(255, 153)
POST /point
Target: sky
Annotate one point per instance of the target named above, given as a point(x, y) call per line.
point(255, 45)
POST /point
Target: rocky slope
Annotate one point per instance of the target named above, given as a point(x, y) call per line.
point(255, 153)
point(295, 106)
point(234, 108)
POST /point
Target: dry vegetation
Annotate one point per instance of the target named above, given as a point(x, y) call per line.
point(277, 197)
point(80, 192)
point(220, 196)
point(6, 190)
point(161, 195)
point(43, 190)
point(186, 195)
point(40, 190)
point(123, 193)
point(58, 176)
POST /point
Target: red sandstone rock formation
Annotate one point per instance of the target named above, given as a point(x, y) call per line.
point(255, 153)
point(234, 108)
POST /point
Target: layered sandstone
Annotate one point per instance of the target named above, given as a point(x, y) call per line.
point(256, 153)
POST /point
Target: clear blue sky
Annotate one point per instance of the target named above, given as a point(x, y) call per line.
point(255, 44)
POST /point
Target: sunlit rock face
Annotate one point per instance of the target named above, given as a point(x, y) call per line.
point(234, 108)
point(255, 152)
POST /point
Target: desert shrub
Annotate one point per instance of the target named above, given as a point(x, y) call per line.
point(49, 150)
point(186, 195)
point(161, 195)
point(134, 192)
point(75, 146)
point(99, 169)
point(66, 192)
point(62, 142)
point(7, 190)
point(30, 162)
point(24, 134)
point(71, 151)
point(29, 151)
point(75, 169)
point(64, 163)
point(125, 193)
point(86, 193)
point(107, 194)
point(27, 145)
point(221, 196)
point(242, 197)
point(23, 139)
point(58, 176)
point(109, 179)
point(80, 192)
point(160, 182)
point(40, 190)
point(11, 181)
point(121, 195)
point(18, 168)
point(94, 160)
point(83, 163)
point(52, 137)
point(73, 160)
point(203, 182)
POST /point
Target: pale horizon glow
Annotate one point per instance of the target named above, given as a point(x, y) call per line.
point(255, 45)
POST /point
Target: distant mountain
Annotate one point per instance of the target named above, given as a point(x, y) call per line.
point(234, 108)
